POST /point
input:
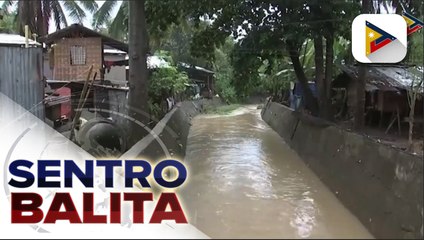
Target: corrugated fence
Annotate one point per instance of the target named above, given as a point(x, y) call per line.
point(21, 77)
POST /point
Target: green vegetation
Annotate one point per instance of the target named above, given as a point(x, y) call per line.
point(37, 14)
point(221, 110)
point(416, 51)
point(8, 23)
point(253, 46)
point(165, 82)
point(224, 76)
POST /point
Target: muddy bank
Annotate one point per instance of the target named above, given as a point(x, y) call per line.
point(169, 137)
point(381, 185)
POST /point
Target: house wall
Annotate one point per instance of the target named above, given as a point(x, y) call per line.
point(390, 101)
point(351, 95)
point(47, 71)
point(63, 70)
point(117, 74)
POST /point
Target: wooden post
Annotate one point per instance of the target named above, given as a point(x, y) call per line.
point(102, 69)
point(26, 36)
point(80, 104)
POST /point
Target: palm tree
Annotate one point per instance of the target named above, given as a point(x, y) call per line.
point(38, 14)
point(118, 24)
point(159, 16)
point(8, 23)
point(145, 18)
point(138, 73)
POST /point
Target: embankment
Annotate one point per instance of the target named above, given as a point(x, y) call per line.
point(381, 185)
point(169, 137)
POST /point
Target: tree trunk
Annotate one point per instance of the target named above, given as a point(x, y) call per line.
point(359, 111)
point(399, 9)
point(310, 101)
point(329, 57)
point(138, 72)
point(412, 98)
point(411, 123)
point(40, 20)
point(319, 74)
point(24, 16)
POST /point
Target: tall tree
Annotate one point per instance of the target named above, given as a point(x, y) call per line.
point(159, 16)
point(142, 20)
point(138, 73)
point(413, 92)
point(272, 29)
point(319, 71)
point(264, 30)
point(177, 40)
point(326, 20)
point(38, 14)
point(359, 110)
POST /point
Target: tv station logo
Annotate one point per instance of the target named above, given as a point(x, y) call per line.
point(414, 24)
point(379, 38)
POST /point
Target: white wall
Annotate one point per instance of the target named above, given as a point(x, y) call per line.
point(117, 74)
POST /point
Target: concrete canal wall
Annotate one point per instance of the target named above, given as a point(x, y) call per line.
point(169, 136)
point(381, 185)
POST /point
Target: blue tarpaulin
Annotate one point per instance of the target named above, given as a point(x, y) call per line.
point(297, 94)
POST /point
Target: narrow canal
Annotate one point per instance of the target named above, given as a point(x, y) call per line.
point(245, 182)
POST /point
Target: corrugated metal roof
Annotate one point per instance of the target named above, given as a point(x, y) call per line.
point(13, 39)
point(70, 31)
point(113, 51)
point(387, 78)
point(154, 62)
point(403, 78)
point(186, 65)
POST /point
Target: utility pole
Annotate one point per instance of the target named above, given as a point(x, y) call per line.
point(138, 72)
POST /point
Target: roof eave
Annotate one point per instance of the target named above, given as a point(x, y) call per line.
point(63, 33)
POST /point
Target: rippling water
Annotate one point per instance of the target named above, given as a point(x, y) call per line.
point(245, 182)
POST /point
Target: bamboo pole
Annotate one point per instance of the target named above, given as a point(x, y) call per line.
point(80, 104)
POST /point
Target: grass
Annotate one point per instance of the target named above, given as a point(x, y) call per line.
point(222, 110)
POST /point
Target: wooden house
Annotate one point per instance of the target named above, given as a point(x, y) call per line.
point(72, 50)
point(386, 91)
point(203, 77)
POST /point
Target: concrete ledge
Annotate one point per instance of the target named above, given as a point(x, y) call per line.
point(381, 185)
point(169, 137)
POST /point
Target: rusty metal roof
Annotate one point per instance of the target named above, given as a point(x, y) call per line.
point(387, 78)
point(77, 30)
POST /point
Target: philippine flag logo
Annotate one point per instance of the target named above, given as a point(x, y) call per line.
point(376, 38)
point(379, 38)
point(414, 24)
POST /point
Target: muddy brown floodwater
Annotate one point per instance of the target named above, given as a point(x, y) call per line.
point(245, 182)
